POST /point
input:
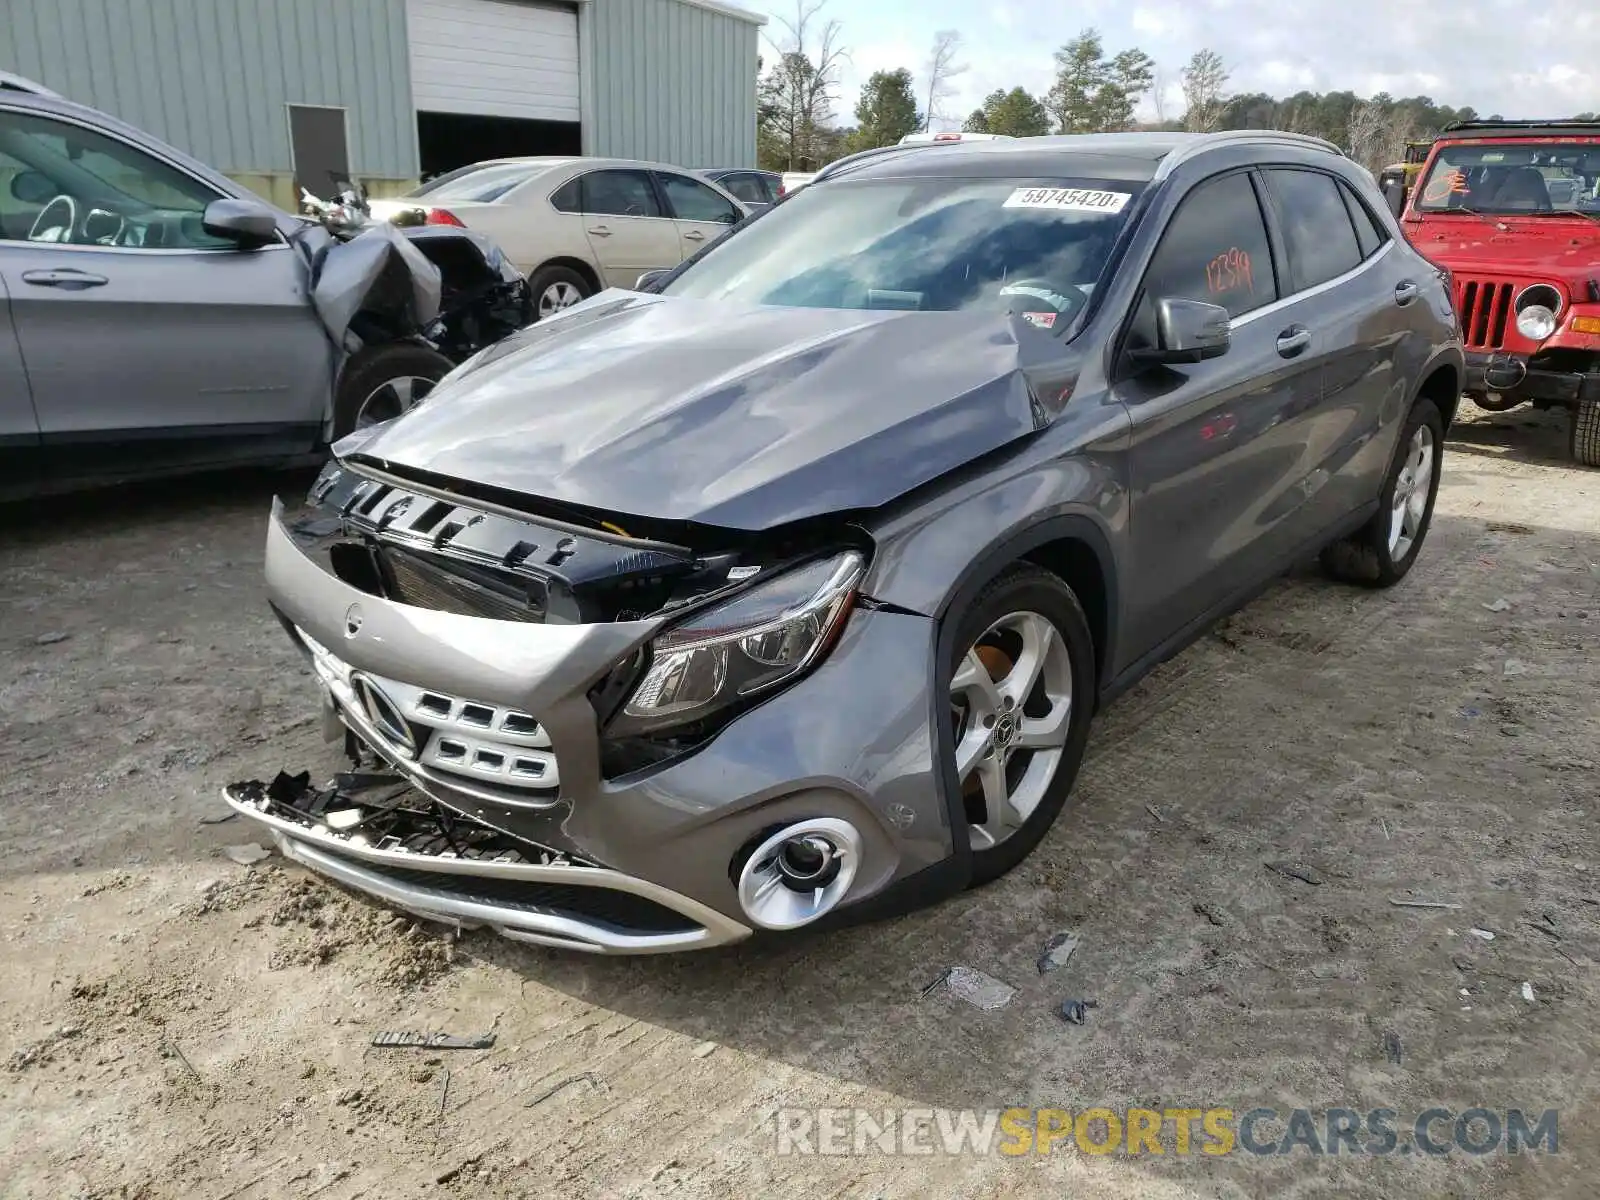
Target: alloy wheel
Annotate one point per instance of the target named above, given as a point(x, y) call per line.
point(1011, 704)
point(557, 296)
point(1411, 492)
point(391, 398)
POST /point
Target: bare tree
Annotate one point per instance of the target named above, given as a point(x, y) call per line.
point(1158, 92)
point(1203, 81)
point(1377, 134)
point(942, 68)
point(810, 52)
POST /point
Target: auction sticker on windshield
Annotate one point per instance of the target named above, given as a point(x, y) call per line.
point(1068, 199)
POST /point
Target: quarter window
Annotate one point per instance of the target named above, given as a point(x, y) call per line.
point(1215, 249)
point(65, 183)
point(694, 201)
point(619, 194)
point(567, 198)
point(745, 187)
point(1316, 225)
point(1369, 233)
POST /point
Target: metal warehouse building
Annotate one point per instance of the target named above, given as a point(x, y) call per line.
point(283, 92)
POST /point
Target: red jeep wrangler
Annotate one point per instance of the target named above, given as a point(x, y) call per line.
point(1512, 210)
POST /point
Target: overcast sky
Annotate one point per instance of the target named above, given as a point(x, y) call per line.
point(1513, 57)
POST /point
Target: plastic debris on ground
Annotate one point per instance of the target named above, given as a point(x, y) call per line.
point(411, 1040)
point(246, 854)
point(1481, 933)
point(1056, 952)
point(1500, 605)
point(975, 987)
point(1076, 1012)
point(1527, 992)
point(1300, 871)
point(1391, 1046)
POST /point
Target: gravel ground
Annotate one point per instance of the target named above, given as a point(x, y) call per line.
point(177, 1024)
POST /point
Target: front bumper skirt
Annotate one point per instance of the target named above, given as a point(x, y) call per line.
point(1511, 375)
point(440, 887)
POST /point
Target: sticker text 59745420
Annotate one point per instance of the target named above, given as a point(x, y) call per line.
point(1068, 199)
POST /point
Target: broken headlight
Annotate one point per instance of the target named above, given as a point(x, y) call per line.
point(711, 662)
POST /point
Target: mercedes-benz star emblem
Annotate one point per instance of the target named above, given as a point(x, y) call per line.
point(384, 714)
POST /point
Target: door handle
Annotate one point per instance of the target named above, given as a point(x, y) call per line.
point(1405, 292)
point(694, 235)
point(1293, 340)
point(600, 230)
point(69, 278)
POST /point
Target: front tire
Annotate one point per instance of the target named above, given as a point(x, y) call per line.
point(381, 382)
point(1022, 695)
point(1380, 553)
point(1585, 438)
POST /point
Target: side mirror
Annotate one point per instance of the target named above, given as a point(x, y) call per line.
point(1394, 195)
point(33, 188)
point(1187, 331)
point(650, 278)
point(246, 222)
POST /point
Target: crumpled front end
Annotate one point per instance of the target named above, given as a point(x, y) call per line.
point(475, 663)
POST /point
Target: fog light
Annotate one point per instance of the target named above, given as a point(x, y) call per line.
point(799, 873)
point(1536, 322)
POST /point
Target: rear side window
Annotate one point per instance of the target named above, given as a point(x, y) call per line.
point(619, 194)
point(1316, 225)
point(568, 198)
point(1215, 249)
point(745, 187)
point(1369, 233)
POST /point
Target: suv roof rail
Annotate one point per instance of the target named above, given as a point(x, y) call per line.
point(17, 83)
point(861, 156)
point(1563, 126)
point(1201, 142)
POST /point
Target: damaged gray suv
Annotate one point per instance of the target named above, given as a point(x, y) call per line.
point(783, 591)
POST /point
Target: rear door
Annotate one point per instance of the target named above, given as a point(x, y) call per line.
point(1211, 462)
point(1366, 305)
point(629, 233)
point(148, 342)
point(19, 428)
point(703, 214)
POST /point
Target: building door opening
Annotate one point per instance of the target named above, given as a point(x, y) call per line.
point(318, 148)
point(446, 141)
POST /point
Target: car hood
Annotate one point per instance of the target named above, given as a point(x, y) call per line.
point(1557, 247)
point(740, 417)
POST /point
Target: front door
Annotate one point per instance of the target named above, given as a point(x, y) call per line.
point(626, 227)
point(1210, 457)
point(148, 341)
point(702, 213)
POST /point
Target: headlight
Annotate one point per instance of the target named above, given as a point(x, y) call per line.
point(1538, 307)
point(1536, 322)
point(718, 658)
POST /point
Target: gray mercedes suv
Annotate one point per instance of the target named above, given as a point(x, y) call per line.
point(783, 591)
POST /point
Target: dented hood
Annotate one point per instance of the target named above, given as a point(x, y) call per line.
point(741, 417)
point(1556, 246)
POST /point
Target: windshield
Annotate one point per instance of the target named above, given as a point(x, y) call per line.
point(481, 183)
point(1513, 177)
point(1036, 247)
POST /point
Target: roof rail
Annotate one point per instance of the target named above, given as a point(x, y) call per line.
point(1202, 142)
point(839, 165)
point(1589, 128)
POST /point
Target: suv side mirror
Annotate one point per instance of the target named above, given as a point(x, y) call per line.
point(248, 223)
point(1187, 331)
point(1395, 195)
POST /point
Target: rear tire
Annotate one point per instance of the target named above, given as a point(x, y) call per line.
point(555, 288)
point(1585, 443)
point(994, 634)
point(1379, 554)
point(381, 382)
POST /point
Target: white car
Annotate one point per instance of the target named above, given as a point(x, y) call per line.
point(576, 226)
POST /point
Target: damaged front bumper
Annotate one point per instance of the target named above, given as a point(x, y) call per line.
point(1516, 375)
point(488, 722)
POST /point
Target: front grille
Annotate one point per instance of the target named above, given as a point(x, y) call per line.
point(482, 744)
point(1484, 306)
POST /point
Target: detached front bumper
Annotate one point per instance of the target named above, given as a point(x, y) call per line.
point(1512, 375)
point(491, 720)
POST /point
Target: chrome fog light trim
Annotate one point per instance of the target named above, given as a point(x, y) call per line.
point(783, 885)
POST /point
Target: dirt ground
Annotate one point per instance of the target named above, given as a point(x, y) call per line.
point(176, 1024)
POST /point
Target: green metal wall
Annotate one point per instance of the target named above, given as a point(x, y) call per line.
point(669, 82)
point(213, 77)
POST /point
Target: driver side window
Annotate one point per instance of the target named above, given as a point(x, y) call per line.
point(64, 183)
